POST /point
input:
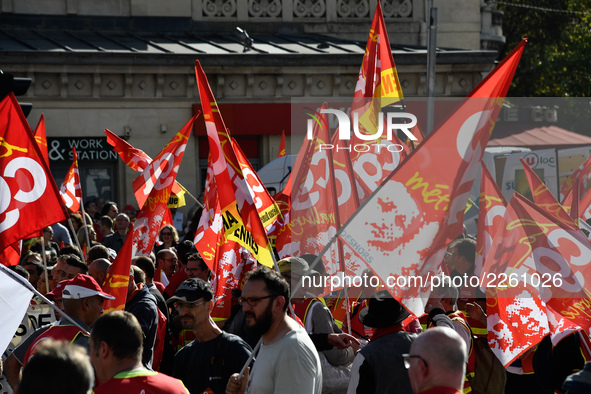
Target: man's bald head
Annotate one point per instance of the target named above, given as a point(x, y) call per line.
point(98, 269)
point(441, 360)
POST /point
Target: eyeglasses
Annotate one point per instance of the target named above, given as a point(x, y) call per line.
point(253, 301)
point(169, 234)
point(192, 269)
point(451, 254)
point(406, 359)
point(188, 305)
point(172, 260)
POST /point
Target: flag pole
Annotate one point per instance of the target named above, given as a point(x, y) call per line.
point(76, 239)
point(28, 285)
point(192, 196)
point(84, 221)
point(44, 263)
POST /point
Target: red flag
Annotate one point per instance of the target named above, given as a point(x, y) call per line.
point(30, 199)
point(282, 145)
point(313, 204)
point(157, 179)
point(536, 255)
point(241, 220)
point(406, 225)
point(280, 234)
point(11, 255)
point(377, 86)
point(71, 192)
point(543, 197)
point(491, 208)
point(227, 260)
point(41, 138)
point(117, 278)
point(136, 159)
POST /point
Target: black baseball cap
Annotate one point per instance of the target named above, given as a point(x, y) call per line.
point(192, 290)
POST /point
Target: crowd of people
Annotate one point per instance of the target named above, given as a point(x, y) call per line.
point(275, 340)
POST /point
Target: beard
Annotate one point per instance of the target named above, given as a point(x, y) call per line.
point(262, 323)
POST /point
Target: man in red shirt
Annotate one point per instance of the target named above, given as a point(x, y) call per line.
point(436, 362)
point(116, 354)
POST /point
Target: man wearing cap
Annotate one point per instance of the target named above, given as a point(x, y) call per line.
point(378, 367)
point(287, 361)
point(214, 353)
point(82, 298)
point(116, 354)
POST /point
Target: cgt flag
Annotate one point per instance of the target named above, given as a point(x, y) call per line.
point(71, 192)
point(404, 227)
point(240, 217)
point(138, 160)
point(27, 189)
point(157, 179)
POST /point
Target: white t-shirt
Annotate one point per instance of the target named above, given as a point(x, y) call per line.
point(290, 365)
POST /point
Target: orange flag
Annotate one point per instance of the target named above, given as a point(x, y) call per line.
point(117, 278)
point(41, 138)
point(71, 192)
point(30, 199)
point(240, 217)
point(282, 145)
point(157, 180)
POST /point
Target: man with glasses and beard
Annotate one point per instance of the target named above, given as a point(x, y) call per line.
point(287, 361)
point(206, 364)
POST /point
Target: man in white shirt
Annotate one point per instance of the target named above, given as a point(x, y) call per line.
point(287, 361)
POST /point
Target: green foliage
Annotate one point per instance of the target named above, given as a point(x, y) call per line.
point(556, 61)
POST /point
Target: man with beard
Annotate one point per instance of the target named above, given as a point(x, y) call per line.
point(287, 361)
point(206, 364)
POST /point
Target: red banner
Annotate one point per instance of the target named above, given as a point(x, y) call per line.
point(30, 199)
point(240, 217)
point(71, 192)
point(117, 278)
point(157, 179)
point(41, 138)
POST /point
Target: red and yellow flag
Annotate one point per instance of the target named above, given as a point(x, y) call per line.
point(240, 217)
point(71, 192)
point(30, 199)
point(118, 276)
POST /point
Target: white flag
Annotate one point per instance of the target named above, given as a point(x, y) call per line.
point(15, 298)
